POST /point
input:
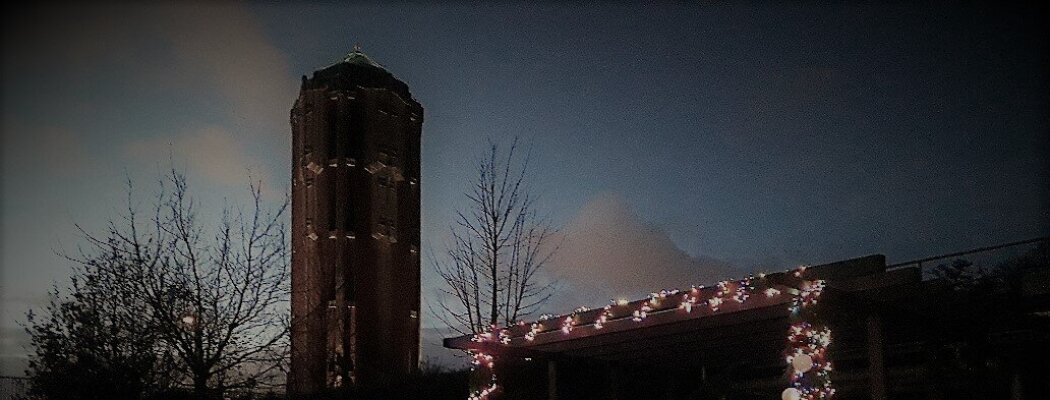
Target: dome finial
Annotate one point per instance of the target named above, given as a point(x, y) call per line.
point(360, 58)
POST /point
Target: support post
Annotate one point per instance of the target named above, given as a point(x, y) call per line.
point(1016, 387)
point(552, 380)
point(876, 358)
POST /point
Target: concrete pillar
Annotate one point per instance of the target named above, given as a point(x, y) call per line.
point(876, 358)
point(934, 379)
point(1016, 388)
point(552, 380)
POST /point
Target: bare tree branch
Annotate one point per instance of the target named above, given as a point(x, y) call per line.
point(499, 245)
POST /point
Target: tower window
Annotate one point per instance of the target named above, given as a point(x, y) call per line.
point(331, 129)
point(384, 206)
point(333, 196)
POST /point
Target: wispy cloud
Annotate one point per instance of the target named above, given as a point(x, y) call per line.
point(609, 252)
point(58, 151)
point(156, 74)
point(226, 46)
point(212, 152)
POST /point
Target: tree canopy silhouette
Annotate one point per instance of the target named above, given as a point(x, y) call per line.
point(165, 302)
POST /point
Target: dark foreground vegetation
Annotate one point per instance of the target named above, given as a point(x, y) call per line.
point(430, 383)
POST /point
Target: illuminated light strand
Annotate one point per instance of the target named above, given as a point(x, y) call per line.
point(570, 320)
point(686, 304)
point(689, 299)
point(533, 330)
point(484, 392)
point(808, 295)
point(566, 324)
point(743, 290)
point(642, 313)
point(599, 323)
point(715, 302)
point(801, 270)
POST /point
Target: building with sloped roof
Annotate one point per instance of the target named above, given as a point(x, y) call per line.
point(916, 330)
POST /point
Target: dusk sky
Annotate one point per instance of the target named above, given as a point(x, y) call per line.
point(675, 144)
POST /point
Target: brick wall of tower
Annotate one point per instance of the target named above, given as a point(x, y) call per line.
point(355, 238)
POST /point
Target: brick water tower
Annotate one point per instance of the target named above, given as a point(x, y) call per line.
point(355, 228)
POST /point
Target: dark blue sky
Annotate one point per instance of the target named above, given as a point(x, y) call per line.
point(794, 132)
point(762, 136)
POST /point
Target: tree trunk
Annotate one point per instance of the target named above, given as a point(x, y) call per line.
point(200, 385)
point(494, 318)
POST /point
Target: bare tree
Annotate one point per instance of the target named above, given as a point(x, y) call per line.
point(217, 300)
point(499, 246)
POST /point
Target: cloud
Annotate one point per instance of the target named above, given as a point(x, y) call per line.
point(65, 150)
point(191, 67)
point(13, 344)
point(608, 252)
point(227, 46)
point(213, 152)
point(223, 50)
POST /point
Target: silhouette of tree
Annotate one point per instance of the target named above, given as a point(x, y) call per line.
point(165, 288)
point(499, 245)
point(961, 274)
point(1006, 275)
point(95, 344)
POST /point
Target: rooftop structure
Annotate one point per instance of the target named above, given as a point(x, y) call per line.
point(892, 333)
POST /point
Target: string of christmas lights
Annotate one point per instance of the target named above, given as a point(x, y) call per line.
point(808, 364)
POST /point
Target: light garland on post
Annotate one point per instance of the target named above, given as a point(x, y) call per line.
point(808, 365)
point(484, 364)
